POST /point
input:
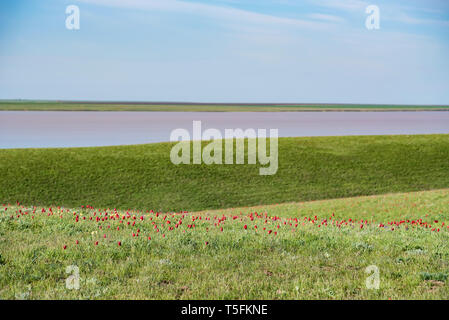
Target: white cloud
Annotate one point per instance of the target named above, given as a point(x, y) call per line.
point(326, 17)
point(350, 5)
point(405, 18)
point(219, 12)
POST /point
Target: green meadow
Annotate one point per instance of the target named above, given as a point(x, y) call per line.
point(127, 223)
point(142, 176)
point(302, 258)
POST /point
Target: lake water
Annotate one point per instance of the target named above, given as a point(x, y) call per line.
point(24, 129)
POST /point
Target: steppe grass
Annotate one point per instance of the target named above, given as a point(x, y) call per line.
point(142, 176)
point(320, 250)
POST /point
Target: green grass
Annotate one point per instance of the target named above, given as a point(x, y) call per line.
point(116, 106)
point(142, 176)
point(315, 250)
point(308, 261)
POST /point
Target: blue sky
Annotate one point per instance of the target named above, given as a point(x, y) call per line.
point(316, 51)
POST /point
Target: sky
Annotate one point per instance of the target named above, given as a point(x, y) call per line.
point(259, 51)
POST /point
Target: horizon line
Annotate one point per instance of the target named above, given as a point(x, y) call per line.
point(268, 104)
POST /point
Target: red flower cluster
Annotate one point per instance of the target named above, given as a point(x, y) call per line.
point(114, 224)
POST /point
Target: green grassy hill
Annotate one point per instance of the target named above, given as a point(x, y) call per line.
point(142, 176)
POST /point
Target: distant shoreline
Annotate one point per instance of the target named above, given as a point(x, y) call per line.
point(28, 105)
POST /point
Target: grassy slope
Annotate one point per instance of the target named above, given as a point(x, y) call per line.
point(143, 177)
point(303, 262)
point(63, 106)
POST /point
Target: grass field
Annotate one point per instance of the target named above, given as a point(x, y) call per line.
point(142, 176)
point(113, 219)
point(117, 106)
point(312, 250)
